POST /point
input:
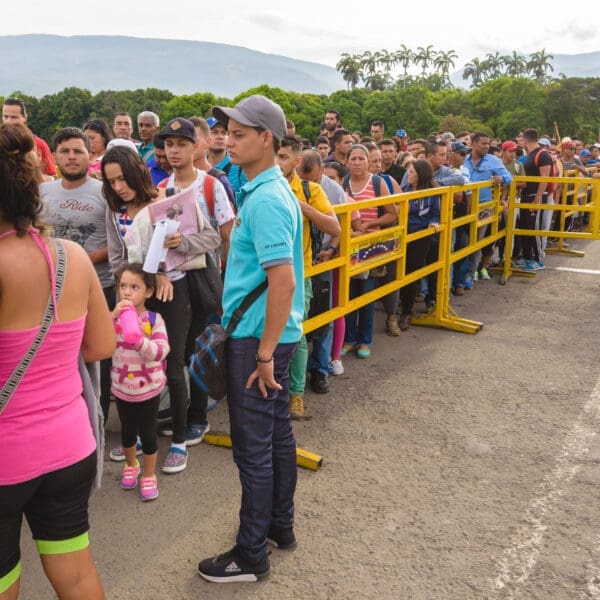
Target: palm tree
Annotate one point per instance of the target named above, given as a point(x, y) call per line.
point(494, 64)
point(424, 57)
point(474, 70)
point(515, 63)
point(404, 57)
point(386, 60)
point(349, 67)
point(368, 65)
point(444, 61)
point(539, 64)
point(377, 81)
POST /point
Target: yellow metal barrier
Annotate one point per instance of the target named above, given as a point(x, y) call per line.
point(367, 251)
point(571, 187)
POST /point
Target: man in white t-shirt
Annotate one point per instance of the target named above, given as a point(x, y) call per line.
point(75, 207)
point(180, 142)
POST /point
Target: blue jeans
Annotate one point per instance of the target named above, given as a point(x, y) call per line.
point(321, 345)
point(359, 323)
point(264, 448)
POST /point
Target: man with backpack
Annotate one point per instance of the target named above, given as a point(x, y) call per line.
point(201, 162)
point(537, 164)
point(266, 244)
point(317, 218)
point(180, 142)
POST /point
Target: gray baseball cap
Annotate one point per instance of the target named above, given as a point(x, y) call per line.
point(255, 111)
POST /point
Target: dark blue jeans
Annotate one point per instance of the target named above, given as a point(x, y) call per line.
point(264, 448)
point(359, 323)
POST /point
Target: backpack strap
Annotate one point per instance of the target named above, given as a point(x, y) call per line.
point(346, 185)
point(209, 193)
point(316, 235)
point(377, 185)
point(306, 190)
point(151, 318)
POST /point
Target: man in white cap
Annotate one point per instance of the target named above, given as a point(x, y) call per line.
point(266, 244)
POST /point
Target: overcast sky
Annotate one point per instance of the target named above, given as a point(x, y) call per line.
point(321, 31)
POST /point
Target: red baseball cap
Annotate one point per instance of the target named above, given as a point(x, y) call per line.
point(568, 144)
point(509, 146)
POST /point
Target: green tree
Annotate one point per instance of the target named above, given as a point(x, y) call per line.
point(539, 65)
point(424, 57)
point(474, 71)
point(494, 63)
point(443, 62)
point(368, 65)
point(189, 105)
point(516, 64)
point(404, 57)
point(349, 66)
point(70, 107)
point(496, 102)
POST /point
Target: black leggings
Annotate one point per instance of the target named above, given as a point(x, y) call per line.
point(56, 507)
point(139, 418)
point(416, 256)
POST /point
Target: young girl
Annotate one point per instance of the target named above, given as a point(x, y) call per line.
point(138, 377)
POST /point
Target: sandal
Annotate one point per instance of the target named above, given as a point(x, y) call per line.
point(363, 351)
point(346, 348)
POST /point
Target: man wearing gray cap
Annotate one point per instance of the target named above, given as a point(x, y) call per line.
point(266, 244)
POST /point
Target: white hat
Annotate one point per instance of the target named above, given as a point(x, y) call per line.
point(121, 142)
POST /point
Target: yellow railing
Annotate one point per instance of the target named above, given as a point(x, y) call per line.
point(358, 254)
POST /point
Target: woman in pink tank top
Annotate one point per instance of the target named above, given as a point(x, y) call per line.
point(47, 448)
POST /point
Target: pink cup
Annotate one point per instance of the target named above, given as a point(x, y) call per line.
point(130, 325)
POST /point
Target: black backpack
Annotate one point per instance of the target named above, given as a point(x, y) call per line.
point(319, 303)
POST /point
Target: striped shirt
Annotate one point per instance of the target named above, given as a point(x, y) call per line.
point(138, 372)
point(367, 193)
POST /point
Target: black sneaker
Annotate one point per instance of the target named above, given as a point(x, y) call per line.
point(165, 429)
point(319, 382)
point(231, 567)
point(164, 415)
point(282, 538)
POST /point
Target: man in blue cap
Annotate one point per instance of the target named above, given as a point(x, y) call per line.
point(218, 157)
point(403, 138)
point(266, 243)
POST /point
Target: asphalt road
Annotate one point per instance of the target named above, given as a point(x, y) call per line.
point(455, 467)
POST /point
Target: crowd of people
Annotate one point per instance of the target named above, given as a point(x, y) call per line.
point(263, 211)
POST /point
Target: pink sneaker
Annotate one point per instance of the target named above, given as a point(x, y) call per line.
point(148, 488)
point(130, 477)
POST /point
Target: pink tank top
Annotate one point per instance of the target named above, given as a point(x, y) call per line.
point(45, 425)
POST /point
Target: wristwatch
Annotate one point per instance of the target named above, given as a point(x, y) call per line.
point(333, 249)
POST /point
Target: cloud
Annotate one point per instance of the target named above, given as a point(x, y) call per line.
point(268, 21)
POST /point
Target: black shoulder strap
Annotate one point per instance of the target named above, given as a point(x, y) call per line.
point(247, 302)
point(306, 190)
point(346, 185)
point(377, 185)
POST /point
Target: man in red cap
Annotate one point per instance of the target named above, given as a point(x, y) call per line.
point(570, 160)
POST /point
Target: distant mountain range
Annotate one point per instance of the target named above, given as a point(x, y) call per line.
point(45, 64)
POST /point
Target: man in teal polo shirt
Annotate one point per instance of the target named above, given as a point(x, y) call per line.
point(266, 242)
